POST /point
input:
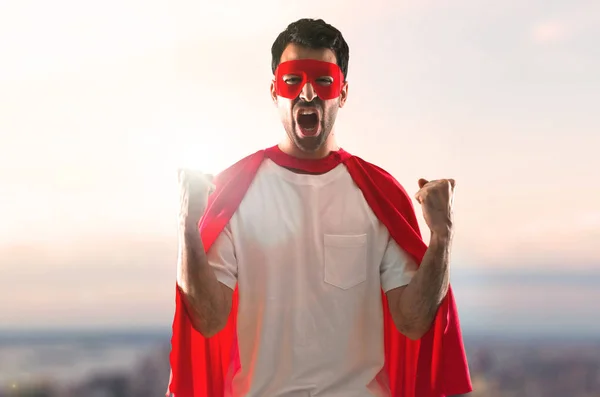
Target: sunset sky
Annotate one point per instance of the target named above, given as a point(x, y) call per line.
point(101, 102)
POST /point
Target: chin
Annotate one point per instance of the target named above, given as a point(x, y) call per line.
point(310, 144)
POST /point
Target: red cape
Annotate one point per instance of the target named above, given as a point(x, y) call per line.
point(434, 366)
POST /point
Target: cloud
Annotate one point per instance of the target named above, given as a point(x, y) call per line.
point(581, 19)
point(581, 222)
point(99, 281)
point(550, 31)
point(558, 239)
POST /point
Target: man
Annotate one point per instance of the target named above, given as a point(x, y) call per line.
point(310, 242)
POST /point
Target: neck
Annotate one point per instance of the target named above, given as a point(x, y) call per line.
point(289, 148)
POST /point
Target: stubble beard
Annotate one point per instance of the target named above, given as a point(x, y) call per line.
point(309, 144)
point(312, 144)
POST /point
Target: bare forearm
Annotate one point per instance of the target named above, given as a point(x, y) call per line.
point(423, 295)
point(205, 300)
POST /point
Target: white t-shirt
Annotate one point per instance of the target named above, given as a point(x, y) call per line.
point(310, 259)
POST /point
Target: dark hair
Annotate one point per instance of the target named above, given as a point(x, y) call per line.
point(312, 33)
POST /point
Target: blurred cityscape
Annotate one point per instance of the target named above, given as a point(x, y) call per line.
point(136, 365)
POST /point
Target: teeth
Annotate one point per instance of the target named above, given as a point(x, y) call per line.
point(307, 111)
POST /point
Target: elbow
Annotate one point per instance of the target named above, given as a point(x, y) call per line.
point(414, 331)
point(414, 334)
point(207, 321)
point(206, 332)
point(208, 329)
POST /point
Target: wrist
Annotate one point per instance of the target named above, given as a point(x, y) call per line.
point(189, 227)
point(190, 239)
point(441, 238)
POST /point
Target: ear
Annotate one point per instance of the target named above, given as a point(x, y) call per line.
point(344, 94)
point(273, 92)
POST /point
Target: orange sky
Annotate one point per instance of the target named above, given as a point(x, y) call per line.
point(99, 104)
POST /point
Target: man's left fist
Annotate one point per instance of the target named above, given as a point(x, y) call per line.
point(436, 199)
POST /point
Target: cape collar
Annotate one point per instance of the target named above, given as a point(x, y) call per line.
point(319, 166)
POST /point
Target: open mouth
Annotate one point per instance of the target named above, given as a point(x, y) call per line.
point(308, 121)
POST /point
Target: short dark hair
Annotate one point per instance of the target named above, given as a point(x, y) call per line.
point(312, 33)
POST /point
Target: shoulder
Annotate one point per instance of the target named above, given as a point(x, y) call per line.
point(247, 163)
point(377, 173)
point(378, 183)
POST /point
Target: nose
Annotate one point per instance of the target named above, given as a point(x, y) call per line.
point(308, 93)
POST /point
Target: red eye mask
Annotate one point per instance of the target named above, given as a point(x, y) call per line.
point(325, 77)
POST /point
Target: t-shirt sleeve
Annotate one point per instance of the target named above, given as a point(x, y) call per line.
point(397, 267)
point(222, 259)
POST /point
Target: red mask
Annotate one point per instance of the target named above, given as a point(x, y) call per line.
point(326, 78)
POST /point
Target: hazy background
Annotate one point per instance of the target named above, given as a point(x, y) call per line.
point(100, 102)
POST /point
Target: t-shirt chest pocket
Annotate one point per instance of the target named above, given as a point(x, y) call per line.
point(345, 259)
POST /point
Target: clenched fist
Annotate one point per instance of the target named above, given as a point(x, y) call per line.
point(194, 188)
point(436, 199)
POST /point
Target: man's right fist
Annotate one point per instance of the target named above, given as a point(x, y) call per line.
point(194, 188)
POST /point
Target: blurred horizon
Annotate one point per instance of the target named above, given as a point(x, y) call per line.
point(494, 302)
